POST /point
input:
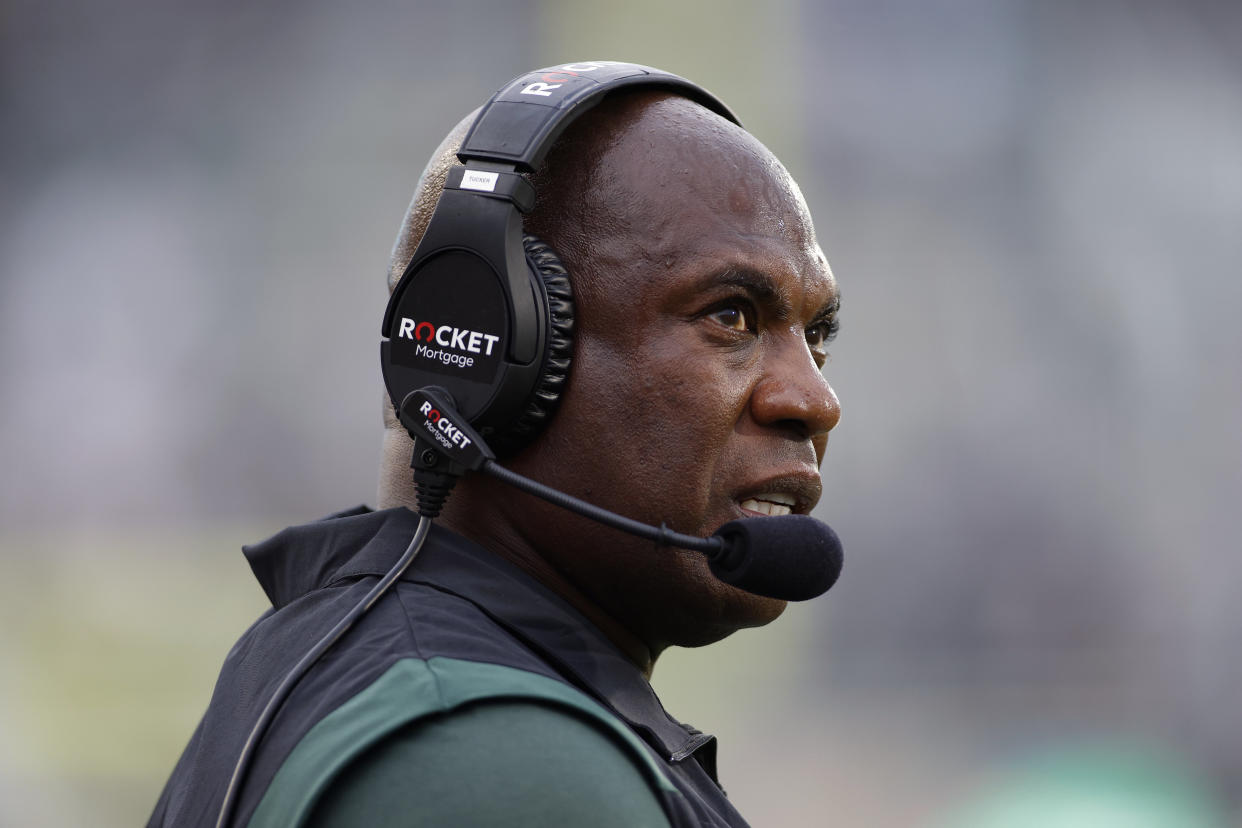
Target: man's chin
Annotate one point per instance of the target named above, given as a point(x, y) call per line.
point(731, 609)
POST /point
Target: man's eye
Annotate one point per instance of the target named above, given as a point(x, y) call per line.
point(735, 317)
point(820, 334)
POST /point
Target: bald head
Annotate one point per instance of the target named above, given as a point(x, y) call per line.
point(582, 193)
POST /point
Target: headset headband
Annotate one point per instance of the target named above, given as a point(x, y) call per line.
point(522, 120)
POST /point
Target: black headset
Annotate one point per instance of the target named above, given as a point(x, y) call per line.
point(483, 310)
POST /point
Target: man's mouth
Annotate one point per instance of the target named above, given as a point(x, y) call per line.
point(773, 504)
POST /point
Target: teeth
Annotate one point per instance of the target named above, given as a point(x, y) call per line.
point(773, 505)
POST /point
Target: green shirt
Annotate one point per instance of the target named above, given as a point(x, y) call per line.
point(512, 763)
point(446, 742)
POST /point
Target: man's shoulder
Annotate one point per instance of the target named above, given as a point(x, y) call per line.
point(440, 740)
point(414, 647)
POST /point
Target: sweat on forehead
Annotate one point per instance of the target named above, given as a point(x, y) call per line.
point(618, 179)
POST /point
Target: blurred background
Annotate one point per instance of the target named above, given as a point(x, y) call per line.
point(1035, 213)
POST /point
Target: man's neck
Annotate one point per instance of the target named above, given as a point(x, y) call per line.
point(471, 513)
point(502, 540)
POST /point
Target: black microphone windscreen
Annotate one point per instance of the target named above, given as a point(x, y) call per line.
point(793, 557)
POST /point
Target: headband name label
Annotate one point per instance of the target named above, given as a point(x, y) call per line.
point(478, 180)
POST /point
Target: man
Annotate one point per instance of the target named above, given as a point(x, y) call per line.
point(503, 680)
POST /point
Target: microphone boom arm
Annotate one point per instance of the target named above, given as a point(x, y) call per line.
point(662, 535)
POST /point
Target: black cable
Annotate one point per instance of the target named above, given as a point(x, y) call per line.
point(662, 535)
point(313, 655)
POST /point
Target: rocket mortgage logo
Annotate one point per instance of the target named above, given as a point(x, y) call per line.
point(456, 345)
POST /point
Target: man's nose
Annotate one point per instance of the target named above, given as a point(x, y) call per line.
point(794, 393)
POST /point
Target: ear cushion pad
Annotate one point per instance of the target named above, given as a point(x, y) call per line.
point(553, 280)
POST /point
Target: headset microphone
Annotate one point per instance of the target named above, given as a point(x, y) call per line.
point(793, 557)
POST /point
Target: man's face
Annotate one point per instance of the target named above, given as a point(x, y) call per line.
point(696, 395)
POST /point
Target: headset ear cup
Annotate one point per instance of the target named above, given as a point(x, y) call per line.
point(552, 280)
